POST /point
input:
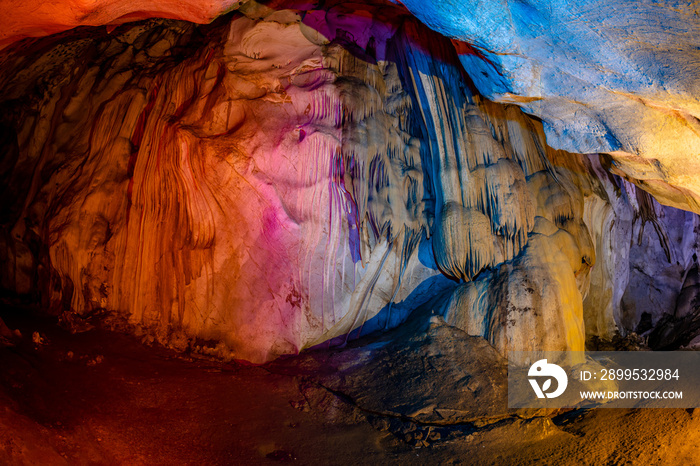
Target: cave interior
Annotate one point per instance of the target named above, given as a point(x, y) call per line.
point(248, 232)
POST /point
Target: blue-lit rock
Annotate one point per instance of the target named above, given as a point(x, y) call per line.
point(616, 77)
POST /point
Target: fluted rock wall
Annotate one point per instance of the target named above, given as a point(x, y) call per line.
point(618, 77)
point(283, 177)
point(248, 182)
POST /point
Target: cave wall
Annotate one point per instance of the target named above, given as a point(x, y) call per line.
point(283, 177)
point(617, 77)
point(620, 77)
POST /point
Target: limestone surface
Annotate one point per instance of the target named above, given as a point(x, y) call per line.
point(288, 177)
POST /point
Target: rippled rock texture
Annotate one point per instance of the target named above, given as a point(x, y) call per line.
point(618, 77)
point(285, 177)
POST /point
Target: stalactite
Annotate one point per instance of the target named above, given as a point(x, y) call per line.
point(463, 244)
point(647, 213)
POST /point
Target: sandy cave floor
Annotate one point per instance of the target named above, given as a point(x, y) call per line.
point(101, 397)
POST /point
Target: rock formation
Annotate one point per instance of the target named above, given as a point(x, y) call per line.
point(294, 174)
point(620, 79)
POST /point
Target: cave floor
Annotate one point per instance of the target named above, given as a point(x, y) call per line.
point(101, 397)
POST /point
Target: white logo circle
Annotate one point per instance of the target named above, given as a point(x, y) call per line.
point(542, 369)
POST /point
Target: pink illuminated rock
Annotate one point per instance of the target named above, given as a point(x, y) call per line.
point(284, 178)
point(228, 189)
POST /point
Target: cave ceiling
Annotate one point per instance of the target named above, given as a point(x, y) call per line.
point(616, 77)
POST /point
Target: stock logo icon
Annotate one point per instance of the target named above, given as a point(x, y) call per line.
point(546, 372)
